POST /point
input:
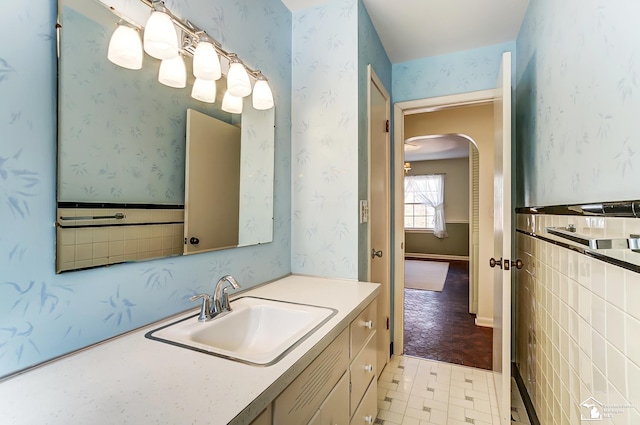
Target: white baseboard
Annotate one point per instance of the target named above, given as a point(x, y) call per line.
point(438, 256)
point(485, 322)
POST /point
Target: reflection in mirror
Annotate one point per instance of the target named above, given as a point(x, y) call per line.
point(121, 152)
point(213, 179)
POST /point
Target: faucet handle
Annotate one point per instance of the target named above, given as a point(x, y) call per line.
point(226, 306)
point(205, 309)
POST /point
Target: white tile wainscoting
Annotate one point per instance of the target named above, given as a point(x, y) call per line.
point(577, 322)
point(142, 234)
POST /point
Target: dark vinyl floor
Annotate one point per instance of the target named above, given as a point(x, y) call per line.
point(438, 326)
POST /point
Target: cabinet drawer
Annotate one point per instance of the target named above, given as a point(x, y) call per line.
point(362, 327)
point(335, 409)
point(368, 409)
point(363, 370)
point(300, 400)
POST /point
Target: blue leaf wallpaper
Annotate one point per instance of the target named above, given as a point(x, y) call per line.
point(370, 51)
point(332, 45)
point(44, 315)
point(459, 72)
point(577, 100)
point(324, 138)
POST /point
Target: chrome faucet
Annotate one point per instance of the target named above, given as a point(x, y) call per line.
point(216, 305)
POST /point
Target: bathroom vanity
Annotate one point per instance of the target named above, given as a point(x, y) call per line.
point(329, 376)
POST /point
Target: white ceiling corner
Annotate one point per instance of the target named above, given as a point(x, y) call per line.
point(296, 5)
point(414, 29)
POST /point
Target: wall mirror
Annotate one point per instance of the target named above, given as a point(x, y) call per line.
point(121, 153)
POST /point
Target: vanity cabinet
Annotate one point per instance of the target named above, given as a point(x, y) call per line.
point(302, 398)
point(339, 386)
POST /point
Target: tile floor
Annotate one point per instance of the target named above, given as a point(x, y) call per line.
point(519, 414)
point(414, 391)
point(438, 326)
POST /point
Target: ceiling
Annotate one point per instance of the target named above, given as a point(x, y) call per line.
point(414, 29)
point(437, 146)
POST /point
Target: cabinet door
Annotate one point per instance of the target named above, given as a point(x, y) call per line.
point(335, 409)
point(316, 420)
point(263, 418)
point(301, 399)
point(368, 409)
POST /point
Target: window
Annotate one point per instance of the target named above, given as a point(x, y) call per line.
point(419, 193)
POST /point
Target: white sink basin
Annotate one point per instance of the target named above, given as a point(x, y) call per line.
point(257, 331)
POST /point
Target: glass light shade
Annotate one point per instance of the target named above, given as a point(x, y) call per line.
point(206, 64)
point(238, 83)
point(173, 72)
point(125, 48)
point(160, 36)
point(231, 103)
point(262, 96)
point(204, 90)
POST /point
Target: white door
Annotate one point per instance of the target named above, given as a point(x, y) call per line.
point(212, 177)
point(380, 211)
point(501, 261)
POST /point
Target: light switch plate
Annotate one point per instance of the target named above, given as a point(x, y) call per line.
point(364, 211)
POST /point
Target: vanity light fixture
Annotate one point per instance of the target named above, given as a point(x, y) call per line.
point(173, 72)
point(262, 95)
point(204, 90)
point(160, 36)
point(231, 103)
point(407, 167)
point(238, 83)
point(168, 38)
point(125, 47)
point(206, 63)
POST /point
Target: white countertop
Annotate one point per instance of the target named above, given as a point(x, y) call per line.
point(135, 380)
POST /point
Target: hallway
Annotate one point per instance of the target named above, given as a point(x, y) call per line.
point(438, 326)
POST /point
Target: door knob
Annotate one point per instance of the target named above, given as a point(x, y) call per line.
point(194, 241)
point(375, 253)
point(518, 264)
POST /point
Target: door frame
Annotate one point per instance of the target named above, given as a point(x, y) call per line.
point(384, 312)
point(400, 109)
point(372, 78)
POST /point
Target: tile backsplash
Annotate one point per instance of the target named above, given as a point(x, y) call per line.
point(577, 323)
point(142, 234)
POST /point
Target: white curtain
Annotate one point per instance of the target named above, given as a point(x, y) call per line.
point(429, 190)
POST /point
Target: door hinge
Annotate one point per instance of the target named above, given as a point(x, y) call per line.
point(386, 126)
point(387, 322)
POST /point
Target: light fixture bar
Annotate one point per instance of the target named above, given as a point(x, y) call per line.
point(194, 33)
